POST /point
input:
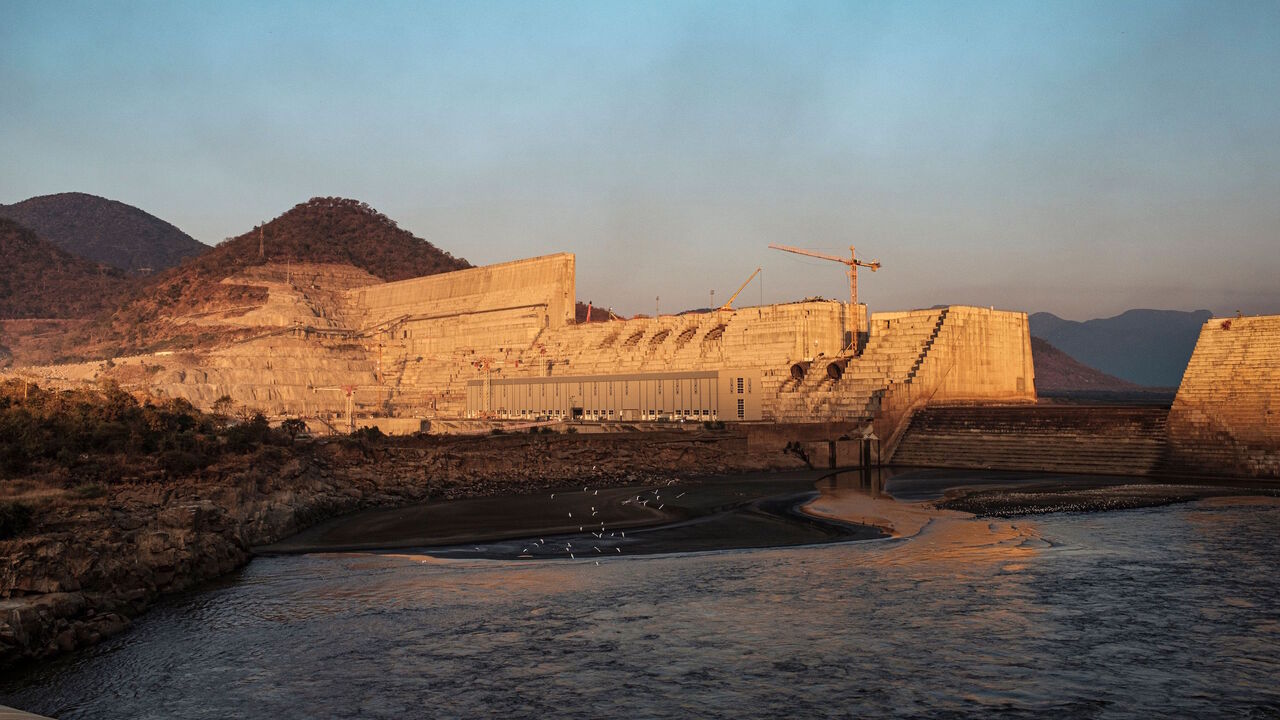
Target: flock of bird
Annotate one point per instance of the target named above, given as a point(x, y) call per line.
point(651, 499)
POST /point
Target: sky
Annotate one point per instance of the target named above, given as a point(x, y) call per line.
point(1079, 158)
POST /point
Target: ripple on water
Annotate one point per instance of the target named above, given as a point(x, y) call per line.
point(1160, 612)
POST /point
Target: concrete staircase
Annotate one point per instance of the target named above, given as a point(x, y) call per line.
point(1097, 440)
point(894, 353)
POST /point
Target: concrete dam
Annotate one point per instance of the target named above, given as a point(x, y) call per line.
point(500, 343)
point(1225, 420)
point(469, 349)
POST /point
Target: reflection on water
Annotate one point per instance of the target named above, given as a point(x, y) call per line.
point(1163, 612)
point(869, 481)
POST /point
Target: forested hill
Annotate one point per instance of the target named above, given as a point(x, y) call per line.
point(321, 230)
point(105, 231)
point(40, 280)
point(332, 230)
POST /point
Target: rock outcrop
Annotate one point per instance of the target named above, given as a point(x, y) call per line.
point(89, 565)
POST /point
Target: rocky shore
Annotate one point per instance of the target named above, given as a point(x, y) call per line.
point(1095, 495)
point(87, 565)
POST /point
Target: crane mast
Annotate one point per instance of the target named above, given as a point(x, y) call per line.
point(729, 305)
point(852, 262)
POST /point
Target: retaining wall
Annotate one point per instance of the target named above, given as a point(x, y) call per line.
point(1225, 418)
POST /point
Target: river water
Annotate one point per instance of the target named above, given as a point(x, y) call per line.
point(1163, 612)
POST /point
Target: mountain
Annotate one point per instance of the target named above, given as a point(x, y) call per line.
point(321, 230)
point(1146, 347)
point(105, 231)
point(40, 280)
point(1058, 372)
point(331, 230)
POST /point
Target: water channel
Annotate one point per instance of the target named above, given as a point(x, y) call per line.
point(1170, 611)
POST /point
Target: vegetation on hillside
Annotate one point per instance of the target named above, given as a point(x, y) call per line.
point(104, 434)
point(598, 314)
point(332, 230)
point(321, 230)
point(105, 231)
point(40, 280)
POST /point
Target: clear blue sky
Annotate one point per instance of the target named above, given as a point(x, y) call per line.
point(1081, 158)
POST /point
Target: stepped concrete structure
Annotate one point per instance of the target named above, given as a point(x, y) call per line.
point(1225, 421)
point(500, 343)
point(1074, 439)
point(1226, 416)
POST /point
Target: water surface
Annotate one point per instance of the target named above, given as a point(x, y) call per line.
point(1160, 612)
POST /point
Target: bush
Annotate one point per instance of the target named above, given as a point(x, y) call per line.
point(14, 518)
point(372, 433)
point(88, 491)
point(177, 463)
point(247, 435)
point(293, 427)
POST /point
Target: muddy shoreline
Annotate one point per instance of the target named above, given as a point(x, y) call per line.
point(706, 513)
point(88, 566)
point(1014, 494)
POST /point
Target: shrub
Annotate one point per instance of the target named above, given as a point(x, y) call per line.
point(14, 518)
point(177, 463)
point(88, 491)
point(372, 433)
point(293, 427)
point(249, 434)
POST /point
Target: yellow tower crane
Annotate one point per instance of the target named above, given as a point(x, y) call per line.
point(729, 305)
point(852, 262)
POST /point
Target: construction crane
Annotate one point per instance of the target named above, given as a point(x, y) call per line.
point(852, 261)
point(729, 305)
point(485, 365)
point(350, 391)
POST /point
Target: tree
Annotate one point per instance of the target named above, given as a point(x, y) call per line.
point(221, 409)
point(293, 427)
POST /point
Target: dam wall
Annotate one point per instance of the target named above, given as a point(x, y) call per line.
point(480, 342)
point(975, 355)
point(913, 359)
point(758, 343)
point(1225, 418)
point(1046, 438)
point(544, 284)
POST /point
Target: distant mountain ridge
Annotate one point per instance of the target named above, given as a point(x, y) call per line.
point(1146, 347)
point(40, 280)
point(1057, 371)
point(105, 231)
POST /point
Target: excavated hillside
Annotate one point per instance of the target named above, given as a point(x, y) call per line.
point(40, 280)
point(105, 231)
point(180, 308)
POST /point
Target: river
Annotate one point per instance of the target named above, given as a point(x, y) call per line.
point(1171, 611)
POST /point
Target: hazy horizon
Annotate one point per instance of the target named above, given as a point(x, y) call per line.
point(1076, 158)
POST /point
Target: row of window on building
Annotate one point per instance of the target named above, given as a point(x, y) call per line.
point(607, 415)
